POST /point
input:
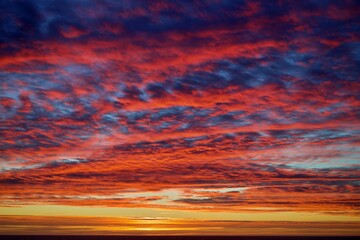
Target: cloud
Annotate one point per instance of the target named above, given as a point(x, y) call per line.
point(105, 97)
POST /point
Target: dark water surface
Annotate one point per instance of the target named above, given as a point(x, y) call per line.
point(170, 237)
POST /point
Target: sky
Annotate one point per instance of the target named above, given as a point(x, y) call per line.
point(180, 117)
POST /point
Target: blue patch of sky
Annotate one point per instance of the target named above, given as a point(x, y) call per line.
point(166, 112)
point(330, 134)
point(136, 115)
point(335, 162)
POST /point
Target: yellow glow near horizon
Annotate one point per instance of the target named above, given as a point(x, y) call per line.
point(60, 210)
